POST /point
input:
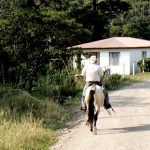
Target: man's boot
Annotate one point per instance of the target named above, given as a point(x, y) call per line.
point(83, 105)
point(107, 105)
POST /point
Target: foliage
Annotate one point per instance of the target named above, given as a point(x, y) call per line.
point(35, 36)
point(17, 104)
point(144, 66)
point(112, 81)
point(96, 15)
point(57, 85)
point(138, 26)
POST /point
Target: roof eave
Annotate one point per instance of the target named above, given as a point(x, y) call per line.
point(114, 47)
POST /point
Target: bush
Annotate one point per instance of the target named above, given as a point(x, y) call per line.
point(16, 104)
point(145, 66)
point(113, 81)
point(57, 85)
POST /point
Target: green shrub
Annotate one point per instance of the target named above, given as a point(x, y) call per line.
point(112, 81)
point(56, 85)
point(145, 66)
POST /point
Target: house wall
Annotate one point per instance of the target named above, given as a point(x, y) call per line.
point(127, 58)
point(136, 54)
point(124, 64)
point(148, 53)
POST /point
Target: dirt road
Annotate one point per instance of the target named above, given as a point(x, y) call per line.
point(129, 129)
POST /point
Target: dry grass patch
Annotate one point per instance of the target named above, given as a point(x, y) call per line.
point(25, 135)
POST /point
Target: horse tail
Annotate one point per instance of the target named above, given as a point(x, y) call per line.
point(91, 106)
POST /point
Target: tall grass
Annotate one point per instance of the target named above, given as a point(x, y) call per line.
point(25, 135)
point(17, 104)
point(27, 122)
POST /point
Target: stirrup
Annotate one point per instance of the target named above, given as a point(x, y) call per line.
point(83, 108)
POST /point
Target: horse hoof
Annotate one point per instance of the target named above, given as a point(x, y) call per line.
point(95, 131)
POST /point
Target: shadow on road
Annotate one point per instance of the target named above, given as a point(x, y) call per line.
point(144, 127)
point(141, 128)
point(138, 85)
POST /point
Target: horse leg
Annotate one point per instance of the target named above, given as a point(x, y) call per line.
point(95, 120)
point(91, 125)
point(90, 122)
point(97, 109)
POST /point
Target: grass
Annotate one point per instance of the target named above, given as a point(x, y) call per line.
point(31, 133)
point(129, 79)
point(25, 135)
point(32, 121)
point(140, 76)
point(28, 123)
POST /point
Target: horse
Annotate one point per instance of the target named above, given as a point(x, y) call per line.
point(94, 99)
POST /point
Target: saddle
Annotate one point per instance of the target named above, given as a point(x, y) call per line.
point(107, 105)
point(95, 82)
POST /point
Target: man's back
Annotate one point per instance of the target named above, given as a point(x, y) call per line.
point(92, 72)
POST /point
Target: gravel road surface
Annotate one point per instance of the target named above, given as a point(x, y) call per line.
point(129, 129)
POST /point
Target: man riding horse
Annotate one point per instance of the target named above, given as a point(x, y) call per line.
point(93, 75)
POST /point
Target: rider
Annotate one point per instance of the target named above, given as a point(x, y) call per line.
point(93, 73)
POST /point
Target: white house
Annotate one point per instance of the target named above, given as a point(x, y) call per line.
point(119, 54)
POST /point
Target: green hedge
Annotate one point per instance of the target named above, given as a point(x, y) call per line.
point(145, 66)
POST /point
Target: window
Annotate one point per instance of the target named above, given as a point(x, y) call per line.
point(114, 58)
point(143, 54)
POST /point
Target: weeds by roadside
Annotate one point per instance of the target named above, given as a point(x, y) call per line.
point(25, 135)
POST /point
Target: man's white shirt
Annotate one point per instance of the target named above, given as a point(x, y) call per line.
point(92, 72)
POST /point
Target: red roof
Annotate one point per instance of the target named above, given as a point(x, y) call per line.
point(115, 42)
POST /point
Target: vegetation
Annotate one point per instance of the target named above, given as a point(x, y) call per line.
point(144, 64)
point(32, 121)
point(37, 85)
point(25, 135)
point(39, 112)
point(116, 81)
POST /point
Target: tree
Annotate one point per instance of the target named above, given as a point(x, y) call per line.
point(139, 24)
point(96, 15)
point(36, 35)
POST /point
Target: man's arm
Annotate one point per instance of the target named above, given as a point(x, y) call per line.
point(101, 72)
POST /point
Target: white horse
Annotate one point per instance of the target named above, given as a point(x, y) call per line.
point(94, 98)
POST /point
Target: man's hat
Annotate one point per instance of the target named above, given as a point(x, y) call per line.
point(93, 59)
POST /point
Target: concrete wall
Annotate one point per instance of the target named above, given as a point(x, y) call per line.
point(148, 53)
point(124, 62)
point(135, 55)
